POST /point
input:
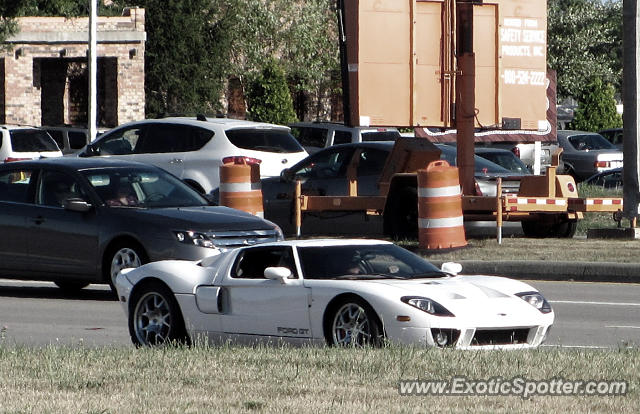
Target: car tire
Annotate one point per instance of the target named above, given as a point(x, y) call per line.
point(155, 318)
point(353, 316)
point(122, 256)
point(566, 229)
point(70, 286)
point(402, 218)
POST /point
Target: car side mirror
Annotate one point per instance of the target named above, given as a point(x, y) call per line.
point(76, 204)
point(278, 273)
point(451, 267)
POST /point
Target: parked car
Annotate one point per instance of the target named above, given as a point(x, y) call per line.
point(607, 179)
point(614, 136)
point(325, 173)
point(314, 136)
point(338, 292)
point(194, 148)
point(77, 221)
point(24, 143)
point(587, 153)
point(503, 158)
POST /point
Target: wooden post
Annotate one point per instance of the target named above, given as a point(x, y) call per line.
point(297, 208)
point(499, 210)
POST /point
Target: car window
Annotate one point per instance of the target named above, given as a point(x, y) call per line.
point(77, 139)
point(372, 161)
point(251, 263)
point(120, 142)
point(58, 137)
point(341, 137)
point(309, 136)
point(141, 187)
point(326, 164)
point(14, 185)
point(268, 140)
point(55, 187)
point(590, 142)
point(32, 140)
point(163, 138)
point(506, 160)
point(380, 135)
point(329, 262)
point(484, 166)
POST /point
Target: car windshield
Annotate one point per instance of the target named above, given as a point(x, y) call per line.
point(482, 166)
point(32, 140)
point(380, 135)
point(376, 261)
point(268, 140)
point(590, 142)
point(141, 188)
point(506, 160)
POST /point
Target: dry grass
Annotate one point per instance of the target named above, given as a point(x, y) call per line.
point(272, 379)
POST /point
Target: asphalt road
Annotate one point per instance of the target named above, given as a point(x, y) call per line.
point(591, 315)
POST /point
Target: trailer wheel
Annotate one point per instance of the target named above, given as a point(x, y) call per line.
point(566, 229)
point(537, 229)
point(401, 217)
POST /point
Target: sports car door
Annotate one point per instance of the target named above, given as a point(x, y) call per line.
point(255, 305)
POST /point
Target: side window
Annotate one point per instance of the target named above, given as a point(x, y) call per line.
point(327, 164)
point(371, 161)
point(14, 185)
point(121, 142)
point(55, 187)
point(198, 138)
point(77, 139)
point(310, 137)
point(57, 137)
point(251, 263)
point(341, 137)
point(163, 138)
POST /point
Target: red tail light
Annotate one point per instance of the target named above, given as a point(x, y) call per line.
point(11, 159)
point(602, 164)
point(516, 151)
point(239, 159)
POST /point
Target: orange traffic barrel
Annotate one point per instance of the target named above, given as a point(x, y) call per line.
point(240, 185)
point(440, 220)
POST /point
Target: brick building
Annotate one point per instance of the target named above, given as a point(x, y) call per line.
point(45, 75)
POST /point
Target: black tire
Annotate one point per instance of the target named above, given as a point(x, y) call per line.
point(401, 218)
point(347, 312)
point(121, 256)
point(566, 229)
point(70, 286)
point(537, 229)
point(155, 318)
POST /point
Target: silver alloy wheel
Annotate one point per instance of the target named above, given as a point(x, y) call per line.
point(124, 258)
point(351, 326)
point(152, 319)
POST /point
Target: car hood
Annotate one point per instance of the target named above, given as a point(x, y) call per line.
point(204, 218)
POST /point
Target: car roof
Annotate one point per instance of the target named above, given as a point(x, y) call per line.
point(326, 242)
point(77, 163)
point(326, 124)
point(567, 133)
point(494, 150)
point(234, 123)
point(10, 127)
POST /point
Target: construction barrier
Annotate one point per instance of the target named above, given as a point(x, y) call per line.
point(240, 186)
point(440, 220)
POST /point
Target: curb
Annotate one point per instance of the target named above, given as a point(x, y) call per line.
point(561, 271)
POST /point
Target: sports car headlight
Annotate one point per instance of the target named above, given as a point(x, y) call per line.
point(536, 300)
point(195, 238)
point(426, 305)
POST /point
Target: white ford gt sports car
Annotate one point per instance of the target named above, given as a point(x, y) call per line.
point(342, 292)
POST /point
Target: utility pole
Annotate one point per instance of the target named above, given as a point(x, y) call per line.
point(631, 179)
point(465, 95)
point(93, 62)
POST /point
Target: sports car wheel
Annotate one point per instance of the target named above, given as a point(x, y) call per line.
point(354, 323)
point(121, 257)
point(155, 318)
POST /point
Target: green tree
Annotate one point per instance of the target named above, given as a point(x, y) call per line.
point(269, 96)
point(597, 108)
point(9, 9)
point(584, 39)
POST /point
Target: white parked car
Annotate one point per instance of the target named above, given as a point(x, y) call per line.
point(19, 143)
point(342, 292)
point(194, 148)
